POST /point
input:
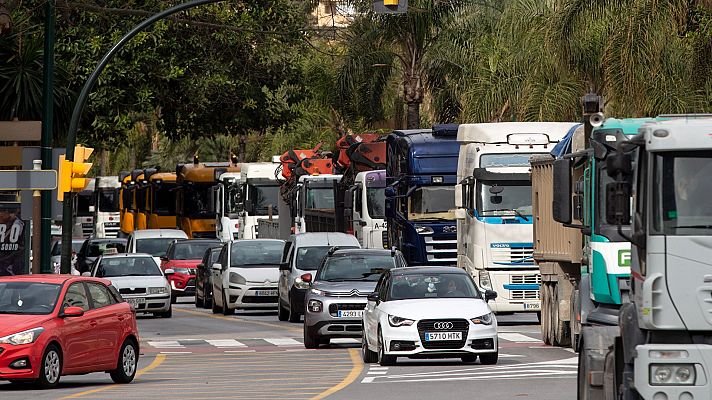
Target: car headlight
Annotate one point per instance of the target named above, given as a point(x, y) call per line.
point(483, 319)
point(485, 281)
point(24, 337)
point(156, 290)
point(395, 321)
point(672, 374)
point(315, 306)
point(237, 278)
point(424, 230)
point(185, 271)
point(318, 292)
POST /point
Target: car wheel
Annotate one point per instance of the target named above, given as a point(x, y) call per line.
point(199, 303)
point(174, 299)
point(126, 366)
point(207, 300)
point(167, 314)
point(489, 358)
point(225, 309)
point(469, 358)
point(367, 355)
point(215, 307)
point(50, 369)
point(282, 313)
point(384, 359)
point(294, 315)
point(310, 341)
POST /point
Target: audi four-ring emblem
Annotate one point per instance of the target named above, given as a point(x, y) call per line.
point(442, 325)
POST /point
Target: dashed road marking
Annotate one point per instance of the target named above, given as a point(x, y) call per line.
point(517, 337)
point(283, 341)
point(225, 343)
point(166, 344)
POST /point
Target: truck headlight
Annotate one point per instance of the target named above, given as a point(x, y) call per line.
point(424, 230)
point(485, 281)
point(156, 290)
point(24, 337)
point(672, 374)
point(237, 278)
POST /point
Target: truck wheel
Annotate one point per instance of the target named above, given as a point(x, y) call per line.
point(545, 313)
point(562, 334)
point(575, 320)
point(282, 314)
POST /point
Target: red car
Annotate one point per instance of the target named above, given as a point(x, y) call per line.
point(54, 325)
point(183, 257)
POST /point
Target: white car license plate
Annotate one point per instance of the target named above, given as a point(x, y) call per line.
point(272, 293)
point(439, 336)
point(134, 301)
point(350, 314)
point(532, 306)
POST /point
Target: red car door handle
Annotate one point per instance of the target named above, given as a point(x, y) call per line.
point(93, 323)
point(120, 317)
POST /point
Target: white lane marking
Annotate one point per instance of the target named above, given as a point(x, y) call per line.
point(377, 372)
point(368, 379)
point(345, 341)
point(282, 341)
point(563, 363)
point(372, 368)
point(239, 351)
point(166, 344)
point(225, 343)
point(510, 355)
point(517, 337)
point(176, 352)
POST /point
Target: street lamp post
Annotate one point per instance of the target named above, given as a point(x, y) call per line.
point(79, 106)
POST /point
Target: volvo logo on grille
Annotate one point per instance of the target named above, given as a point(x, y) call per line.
point(450, 229)
point(442, 325)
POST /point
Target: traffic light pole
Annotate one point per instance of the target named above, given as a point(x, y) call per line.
point(67, 213)
point(44, 227)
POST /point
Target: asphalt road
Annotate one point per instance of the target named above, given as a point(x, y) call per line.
point(199, 355)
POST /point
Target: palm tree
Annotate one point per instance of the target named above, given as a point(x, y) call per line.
point(381, 48)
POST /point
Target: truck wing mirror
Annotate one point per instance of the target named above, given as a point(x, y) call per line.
point(618, 203)
point(390, 191)
point(619, 163)
point(561, 202)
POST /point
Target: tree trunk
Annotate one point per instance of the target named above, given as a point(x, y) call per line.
point(242, 149)
point(413, 116)
point(103, 168)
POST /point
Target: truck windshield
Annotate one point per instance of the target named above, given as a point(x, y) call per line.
point(506, 198)
point(108, 200)
point(164, 199)
point(84, 200)
point(682, 205)
point(320, 198)
point(263, 196)
point(195, 200)
point(233, 199)
point(429, 200)
point(376, 198)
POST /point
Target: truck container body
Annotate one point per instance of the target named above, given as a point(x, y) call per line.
point(260, 190)
point(106, 207)
point(658, 344)
point(494, 202)
point(420, 199)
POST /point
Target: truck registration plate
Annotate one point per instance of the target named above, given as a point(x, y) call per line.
point(272, 293)
point(532, 306)
point(438, 336)
point(350, 314)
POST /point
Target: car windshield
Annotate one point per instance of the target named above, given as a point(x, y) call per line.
point(376, 198)
point(127, 266)
point(28, 297)
point(256, 253)
point(154, 246)
point(309, 258)
point(191, 250)
point(57, 248)
point(438, 285)
point(98, 248)
point(355, 268)
point(432, 200)
point(261, 197)
point(108, 200)
point(682, 205)
point(164, 200)
point(504, 197)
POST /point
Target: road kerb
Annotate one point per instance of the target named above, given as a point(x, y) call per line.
point(350, 378)
point(153, 365)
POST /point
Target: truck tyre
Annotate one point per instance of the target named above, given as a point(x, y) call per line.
point(282, 313)
point(562, 334)
point(575, 320)
point(545, 313)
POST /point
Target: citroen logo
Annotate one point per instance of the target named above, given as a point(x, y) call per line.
point(354, 292)
point(267, 282)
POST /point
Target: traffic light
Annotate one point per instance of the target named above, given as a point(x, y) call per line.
point(390, 6)
point(72, 173)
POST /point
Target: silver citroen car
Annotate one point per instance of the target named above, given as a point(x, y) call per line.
point(338, 294)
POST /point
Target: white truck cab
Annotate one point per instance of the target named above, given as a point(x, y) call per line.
point(494, 207)
point(106, 207)
point(228, 199)
point(366, 200)
point(314, 192)
point(260, 190)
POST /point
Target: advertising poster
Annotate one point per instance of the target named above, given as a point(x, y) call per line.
point(12, 241)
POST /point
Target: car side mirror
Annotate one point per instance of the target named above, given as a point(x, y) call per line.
point(72, 312)
point(306, 278)
point(490, 295)
point(164, 258)
point(285, 266)
point(374, 297)
point(169, 271)
point(217, 267)
point(86, 273)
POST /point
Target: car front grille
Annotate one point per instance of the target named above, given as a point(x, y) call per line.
point(132, 291)
point(335, 307)
point(458, 325)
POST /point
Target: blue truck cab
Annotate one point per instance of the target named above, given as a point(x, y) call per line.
point(421, 174)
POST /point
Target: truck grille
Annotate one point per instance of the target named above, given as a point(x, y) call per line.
point(524, 294)
point(111, 229)
point(459, 325)
point(525, 279)
point(441, 251)
point(513, 255)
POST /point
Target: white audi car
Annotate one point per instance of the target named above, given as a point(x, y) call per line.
point(429, 312)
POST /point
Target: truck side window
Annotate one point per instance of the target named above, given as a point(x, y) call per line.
point(357, 193)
